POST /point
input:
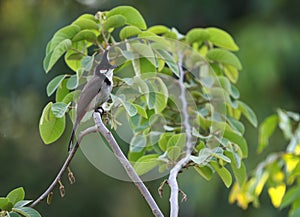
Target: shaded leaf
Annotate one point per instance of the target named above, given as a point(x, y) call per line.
point(22, 203)
point(138, 143)
point(266, 129)
point(72, 82)
point(291, 195)
point(205, 172)
point(27, 212)
point(223, 173)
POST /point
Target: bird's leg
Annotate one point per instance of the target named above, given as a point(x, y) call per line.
point(99, 110)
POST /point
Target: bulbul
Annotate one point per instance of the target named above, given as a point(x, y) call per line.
point(96, 92)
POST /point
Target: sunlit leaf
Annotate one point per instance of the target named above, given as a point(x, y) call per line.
point(85, 23)
point(16, 195)
point(163, 140)
point(197, 35)
point(158, 29)
point(174, 152)
point(129, 31)
point(85, 34)
point(50, 127)
point(222, 39)
point(114, 21)
point(132, 15)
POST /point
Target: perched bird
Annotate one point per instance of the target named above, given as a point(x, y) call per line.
point(95, 92)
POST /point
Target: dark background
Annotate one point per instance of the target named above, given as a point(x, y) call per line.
point(267, 33)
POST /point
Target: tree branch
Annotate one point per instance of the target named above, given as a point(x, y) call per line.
point(127, 166)
point(64, 166)
point(172, 181)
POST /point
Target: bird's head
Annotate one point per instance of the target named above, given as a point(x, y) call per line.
point(105, 67)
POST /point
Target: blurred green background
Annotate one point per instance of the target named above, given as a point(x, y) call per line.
point(268, 34)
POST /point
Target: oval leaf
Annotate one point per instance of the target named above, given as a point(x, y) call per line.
point(54, 84)
point(138, 143)
point(59, 109)
point(50, 127)
point(52, 57)
point(248, 113)
point(224, 56)
point(223, 173)
point(16, 195)
point(114, 22)
point(27, 212)
point(86, 34)
point(133, 16)
point(146, 163)
point(197, 35)
point(222, 39)
point(129, 31)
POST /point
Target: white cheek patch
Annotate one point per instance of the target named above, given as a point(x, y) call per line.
point(103, 71)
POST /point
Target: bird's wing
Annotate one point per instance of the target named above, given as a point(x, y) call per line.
point(88, 93)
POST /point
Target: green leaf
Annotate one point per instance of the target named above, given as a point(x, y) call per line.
point(285, 124)
point(238, 169)
point(169, 59)
point(158, 29)
point(71, 96)
point(146, 163)
point(72, 82)
point(129, 31)
point(140, 110)
point(237, 139)
point(205, 172)
point(80, 49)
point(59, 109)
point(16, 195)
point(248, 113)
point(218, 153)
point(266, 129)
point(177, 140)
point(145, 51)
point(52, 57)
point(22, 203)
point(290, 196)
point(3, 203)
point(197, 35)
point(85, 23)
point(133, 16)
point(27, 212)
point(163, 140)
point(174, 152)
point(87, 63)
point(158, 93)
point(295, 212)
point(224, 57)
point(114, 21)
point(222, 39)
point(14, 214)
point(231, 72)
point(235, 124)
point(50, 127)
point(223, 173)
point(61, 91)
point(138, 143)
point(54, 84)
point(85, 34)
point(203, 158)
point(61, 35)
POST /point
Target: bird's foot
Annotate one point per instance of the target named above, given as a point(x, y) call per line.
point(100, 110)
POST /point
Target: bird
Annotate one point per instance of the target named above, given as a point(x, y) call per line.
point(95, 92)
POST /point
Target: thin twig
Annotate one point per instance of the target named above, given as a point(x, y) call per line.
point(172, 181)
point(64, 166)
point(126, 164)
